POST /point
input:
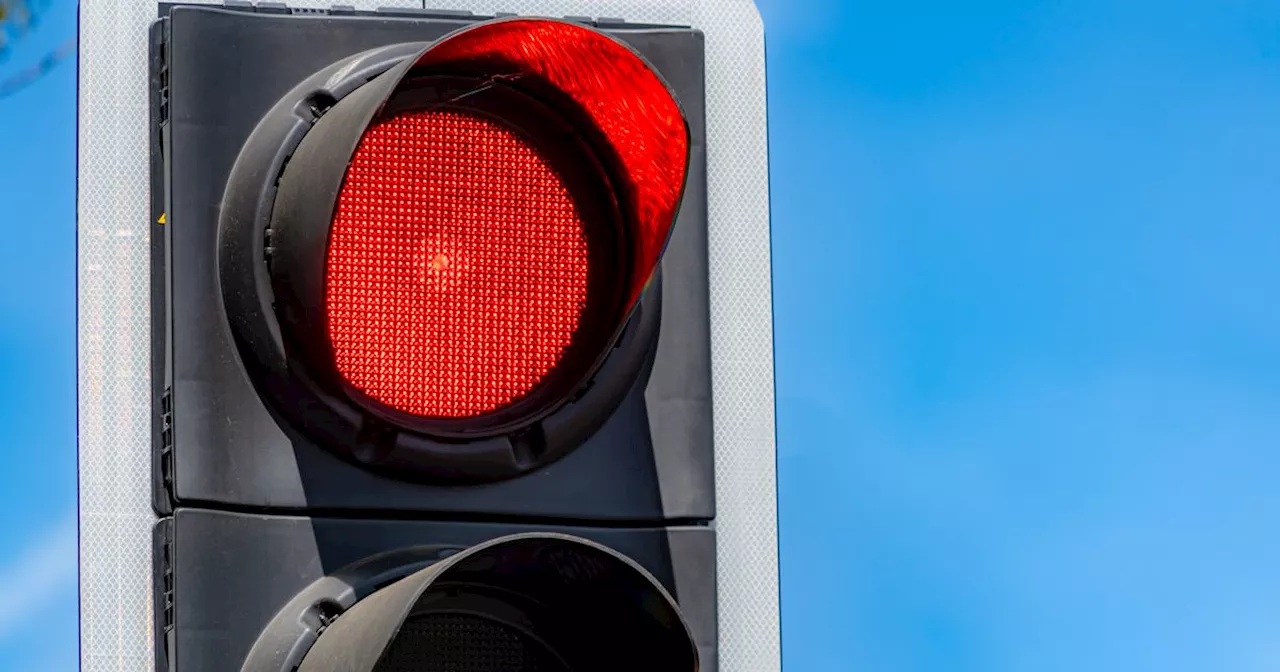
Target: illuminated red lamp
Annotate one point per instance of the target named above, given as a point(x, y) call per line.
point(470, 231)
point(457, 266)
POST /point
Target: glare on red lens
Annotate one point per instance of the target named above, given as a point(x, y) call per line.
point(457, 266)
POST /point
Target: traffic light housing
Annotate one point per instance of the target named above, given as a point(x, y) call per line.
point(422, 284)
point(160, 574)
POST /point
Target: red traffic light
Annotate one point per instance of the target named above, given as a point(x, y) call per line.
point(478, 243)
point(456, 203)
point(457, 235)
point(457, 266)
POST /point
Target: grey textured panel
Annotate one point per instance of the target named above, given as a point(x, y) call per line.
point(114, 327)
point(741, 335)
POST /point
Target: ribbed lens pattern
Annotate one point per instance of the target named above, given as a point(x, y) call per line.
point(457, 266)
point(460, 643)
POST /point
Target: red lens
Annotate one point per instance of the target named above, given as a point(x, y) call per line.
point(457, 266)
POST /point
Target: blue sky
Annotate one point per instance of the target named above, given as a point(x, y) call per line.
point(38, 626)
point(1028, 350)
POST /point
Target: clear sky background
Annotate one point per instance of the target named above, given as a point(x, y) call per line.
point(38, 610)
point(1026, 264)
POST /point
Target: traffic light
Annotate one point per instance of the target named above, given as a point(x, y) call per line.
point(432, 379)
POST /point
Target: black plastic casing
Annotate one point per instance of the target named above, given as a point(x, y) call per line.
point(227, 575)
point(252, 510)
point(651, 460)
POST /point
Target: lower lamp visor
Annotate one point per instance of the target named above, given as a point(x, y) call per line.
point(534, 602)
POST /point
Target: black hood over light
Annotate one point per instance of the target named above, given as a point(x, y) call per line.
point(542, 601)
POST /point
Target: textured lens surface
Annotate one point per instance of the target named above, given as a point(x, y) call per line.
point(457, 266)
point(463, 643)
